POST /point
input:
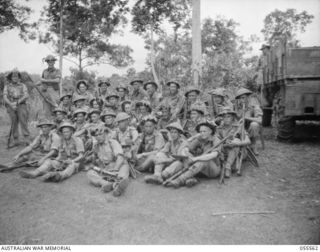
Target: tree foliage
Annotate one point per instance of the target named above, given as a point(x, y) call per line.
point(15, 15)
point(285, 24)
point(87, 28)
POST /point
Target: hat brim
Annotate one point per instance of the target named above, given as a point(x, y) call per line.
point(61, 98)
point(171, 127)
point(82, 82)
point(192, 90)
point(209, 125)
point(173, 82)
point(245, 93)
point(224, 113)
point(150, 83)
point(199, 111)
point(116, 96)
point(66, 126)
point(42, 124)
point(104, 82)
point(134, 81)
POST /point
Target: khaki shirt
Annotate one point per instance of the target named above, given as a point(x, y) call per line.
point(175, 102)
point(154, 100)
point(108, 151)
point(14, 92)
point(129, 136)
point(44, 144)
point(252, 111)
point(138, 95)
point(151, 142)
point(175, 148)
point(71, 149)
point(199, 146)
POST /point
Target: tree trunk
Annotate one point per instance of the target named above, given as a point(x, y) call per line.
point(152, 58)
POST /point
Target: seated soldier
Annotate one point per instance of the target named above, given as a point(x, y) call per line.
point(95, 122)
point(218, 101)
point(231, 149)
point(143, 109)
point(43, 147)
point(67, 163)
point(148, 144)
point(125, 133)
point(112, 100)
point(95, 103)
point(203, 158)
point(60, 115)
point(65, 104)
point(82, 128)
point(126, 106)
point(79, 101)
point(123, 93)
point(196, 117)
point(165, 164)
point(107, 116)
point(165, 116)
point(252, 113)
point(109, 158)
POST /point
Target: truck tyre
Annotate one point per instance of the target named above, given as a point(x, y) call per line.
point(285, 128)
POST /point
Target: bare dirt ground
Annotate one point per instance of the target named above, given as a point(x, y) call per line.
point(73, 212)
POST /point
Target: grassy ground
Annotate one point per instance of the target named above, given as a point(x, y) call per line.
point(73, 212)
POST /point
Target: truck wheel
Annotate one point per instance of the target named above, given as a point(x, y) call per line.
point(285, 128)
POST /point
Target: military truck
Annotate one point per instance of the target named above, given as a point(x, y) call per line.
point(291, 86)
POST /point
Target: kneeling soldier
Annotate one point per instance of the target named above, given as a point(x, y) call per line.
point(203, 156)
point(43, 147)
point(109, 157)
point(165, 164)
point(67, 163)
point(231, 149)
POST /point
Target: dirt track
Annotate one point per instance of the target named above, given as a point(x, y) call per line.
point(73, 212)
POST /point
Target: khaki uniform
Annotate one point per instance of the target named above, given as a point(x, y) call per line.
point(253, 128)
point(148, 143)
point(67, 151)
point(14, 93)
point(175, 103)
point(190, 126)
point(51, 94)
point(154, 100)
point(138, 95)
point(87, 95)
point(129, 136)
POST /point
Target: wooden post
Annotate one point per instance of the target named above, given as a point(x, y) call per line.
point(61, 44)
point(196, 42)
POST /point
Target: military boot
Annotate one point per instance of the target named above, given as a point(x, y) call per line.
point(107, 187)
point(120, 187)
point(176, 183)
point(25, 174)
point(227, 173)
point(50, 177)
point(153, 179)
point(191, 182)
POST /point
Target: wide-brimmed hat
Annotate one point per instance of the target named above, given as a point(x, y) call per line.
point(78, 111)
point(150, 83)
point(66, 124)
point(92, 111)
point(217, 92)
point(175, 125)
point(78, 98)
point(15, 70)
point(65, 95)
point(82, 82)
point(197, 107)
point(107, 112)
point(173, 82)
point(209, 124)
point(137, 80)
point(59, 109)
point(100, 82)
point(112, 94)
point(149, 118)
point(242, 91)
point(45, 121)
point(191, 89)
point(144, 103)
point(124, 103)
point(122, 87)
point(122, 116)
point(49, 57)
point(227, 110)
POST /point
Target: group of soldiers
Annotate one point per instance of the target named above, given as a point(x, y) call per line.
point(171, 136)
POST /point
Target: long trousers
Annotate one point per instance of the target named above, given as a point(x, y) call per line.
point(19, 116)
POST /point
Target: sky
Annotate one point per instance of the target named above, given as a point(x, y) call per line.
point(14, 52)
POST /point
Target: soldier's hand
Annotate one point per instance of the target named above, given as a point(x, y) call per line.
point(235, 142)
point(41, 161)
point(15, 158)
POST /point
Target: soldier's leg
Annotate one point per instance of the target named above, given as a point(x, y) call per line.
point(23, 119)
point(211, 168)
point(172, 169)
point(68, 171)
point(254, 130)
point(96, 180)
point(42, 169)
point(156, 178)
point(232, 154)
point(145, 164)
point(14, 123)
point(121, 185)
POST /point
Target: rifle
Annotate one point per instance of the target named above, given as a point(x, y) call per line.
point(241, 154)
point(187, 165)
point(109, 176)
point(9, 137)
point(6, 168)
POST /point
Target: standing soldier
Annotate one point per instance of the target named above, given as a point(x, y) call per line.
point(150, 142)
point(123, 93)
point(43, 147)
point(109, 157)
point(82, 90)
point(67, 163)
point(152, 96)
point(165, 164)
point(196, 112)
point(15, 95)
point(252, 113)
point(230, 150)
point(204, 159)
point(175, 100)
point(137, 93)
